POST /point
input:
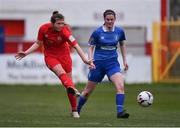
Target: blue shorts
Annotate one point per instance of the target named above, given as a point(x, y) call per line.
point(104, 67)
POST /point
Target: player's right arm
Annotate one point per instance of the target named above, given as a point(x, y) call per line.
point(90, 52)
point(92, 43)
point(90, 56)
point(34, 47)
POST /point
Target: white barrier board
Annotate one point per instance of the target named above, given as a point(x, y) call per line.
point(32, 70)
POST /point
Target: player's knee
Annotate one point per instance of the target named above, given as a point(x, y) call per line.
point(120, 89)
point(85, 94)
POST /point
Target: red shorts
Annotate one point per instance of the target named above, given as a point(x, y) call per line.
point(65, 61)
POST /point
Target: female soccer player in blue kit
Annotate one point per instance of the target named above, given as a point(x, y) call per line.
point(103, 44)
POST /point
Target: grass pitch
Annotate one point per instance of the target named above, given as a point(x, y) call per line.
point(30, 106)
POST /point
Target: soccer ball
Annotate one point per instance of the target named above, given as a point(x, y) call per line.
point(145, 98)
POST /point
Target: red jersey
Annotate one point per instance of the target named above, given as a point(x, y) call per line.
point(56, 43)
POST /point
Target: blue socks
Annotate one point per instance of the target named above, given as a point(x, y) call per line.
point(81, 102)
point(119, 102)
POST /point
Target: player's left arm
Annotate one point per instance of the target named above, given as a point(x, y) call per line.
point(72, 42)
point(123, 52)
point(82, 54)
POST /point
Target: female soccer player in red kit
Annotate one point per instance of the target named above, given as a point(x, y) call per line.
point(56, 38)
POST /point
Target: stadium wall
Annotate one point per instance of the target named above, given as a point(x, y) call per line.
point(32, 70)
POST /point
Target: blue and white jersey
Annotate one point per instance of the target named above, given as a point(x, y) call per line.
point(106, 42)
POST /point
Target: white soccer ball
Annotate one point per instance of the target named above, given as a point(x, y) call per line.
point(145, 98)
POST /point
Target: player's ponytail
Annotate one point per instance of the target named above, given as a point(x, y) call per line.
point(56, 16)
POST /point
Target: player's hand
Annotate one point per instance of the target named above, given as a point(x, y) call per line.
point(88, 61)
point(92, 66)
point(126, 67)
point(20, 55)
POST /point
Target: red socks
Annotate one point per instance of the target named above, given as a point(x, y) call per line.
point(72, 100)
point(66, 81)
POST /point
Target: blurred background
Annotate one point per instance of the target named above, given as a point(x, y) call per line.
point(152, 29)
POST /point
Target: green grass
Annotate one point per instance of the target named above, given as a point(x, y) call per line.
point(48, 106)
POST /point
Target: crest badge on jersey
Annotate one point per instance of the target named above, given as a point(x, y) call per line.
point(46, 35)
point(116, 37)
point(102, 37)
point(59, 38)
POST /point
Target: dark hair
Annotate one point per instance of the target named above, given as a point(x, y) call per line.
point(56, 16)
point(109, 12)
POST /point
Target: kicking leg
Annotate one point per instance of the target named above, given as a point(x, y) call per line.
point(73, 100)
point(66, 79)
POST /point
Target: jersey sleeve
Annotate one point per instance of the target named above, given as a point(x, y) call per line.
point(122, 36)
point(40, 34)
point(93, 38)
point(68, 36)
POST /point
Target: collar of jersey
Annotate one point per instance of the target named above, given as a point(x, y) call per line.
point(105, 30)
